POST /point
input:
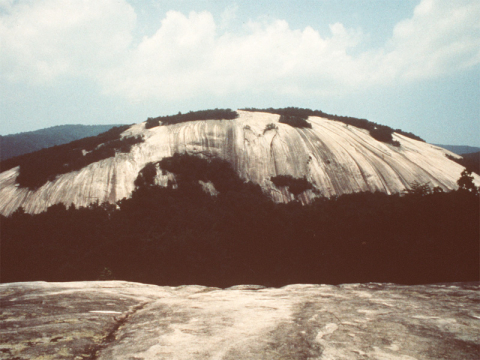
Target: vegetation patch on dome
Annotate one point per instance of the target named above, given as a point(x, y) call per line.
point(295, 121)
point(380, 132)
point(214, 114)
point(295, 185)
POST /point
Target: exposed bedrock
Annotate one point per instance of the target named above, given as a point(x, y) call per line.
point(334, 157)
point(122, 320)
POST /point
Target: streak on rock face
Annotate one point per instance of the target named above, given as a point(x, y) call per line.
point(122, 320)
point(335, 158)
point(294, 338)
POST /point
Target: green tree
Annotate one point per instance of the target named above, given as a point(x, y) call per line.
point(466, 182)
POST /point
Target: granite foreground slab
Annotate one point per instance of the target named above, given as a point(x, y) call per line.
point(123, 320)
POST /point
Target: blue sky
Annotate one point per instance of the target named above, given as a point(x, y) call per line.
point(409, 64)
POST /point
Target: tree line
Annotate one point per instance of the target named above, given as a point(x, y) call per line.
point(212, 114)
point(181, 235)
point(380, 132)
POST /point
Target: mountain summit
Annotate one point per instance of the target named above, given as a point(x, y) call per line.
point(330, 154)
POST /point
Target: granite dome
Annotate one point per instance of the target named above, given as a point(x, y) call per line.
point(334, 157)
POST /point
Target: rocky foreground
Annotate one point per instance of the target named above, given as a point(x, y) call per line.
point(122, 320)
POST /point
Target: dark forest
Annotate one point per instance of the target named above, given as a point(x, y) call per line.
point(181, 235)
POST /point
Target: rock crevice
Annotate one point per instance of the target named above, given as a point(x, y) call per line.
point(120, 321)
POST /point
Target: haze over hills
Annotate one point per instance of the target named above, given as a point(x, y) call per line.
point(335, 155)
point(26, 142)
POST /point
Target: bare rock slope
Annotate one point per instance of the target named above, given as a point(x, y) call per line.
point(122, 320)
point(334, 157)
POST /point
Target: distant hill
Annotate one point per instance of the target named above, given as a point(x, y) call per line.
point(460, 149)
point(26, 142)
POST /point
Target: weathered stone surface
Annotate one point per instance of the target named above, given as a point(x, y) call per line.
point(121, 320)
point(336, 158)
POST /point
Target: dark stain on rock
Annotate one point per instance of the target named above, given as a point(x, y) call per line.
point(444, 345)
point(296, 339)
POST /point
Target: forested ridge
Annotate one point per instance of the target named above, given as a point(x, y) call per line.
point(26, 142)
point(297, 118)
point(41, 166)
point(182, 235)
point(212, 114)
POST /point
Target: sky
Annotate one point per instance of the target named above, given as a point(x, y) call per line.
point(408, 64)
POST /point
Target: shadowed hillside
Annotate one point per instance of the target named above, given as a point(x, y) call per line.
point(470, 160)
point(27, 142)
point(35, 169)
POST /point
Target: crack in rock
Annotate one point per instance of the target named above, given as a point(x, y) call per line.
point(119, 321)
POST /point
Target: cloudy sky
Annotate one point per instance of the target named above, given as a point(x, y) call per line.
point(409, 64)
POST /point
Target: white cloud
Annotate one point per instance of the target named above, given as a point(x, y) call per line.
point(170, 64)
point(6, 5)
point(228, 16)
point(187, 57)
point(441, 37)
point(41, 40)
point(190, 55)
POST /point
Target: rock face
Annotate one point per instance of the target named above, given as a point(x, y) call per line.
point(121, 320)
point(334, 157)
